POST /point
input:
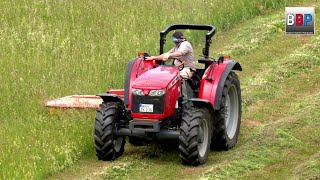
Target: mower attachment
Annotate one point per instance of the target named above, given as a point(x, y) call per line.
point(81, 101)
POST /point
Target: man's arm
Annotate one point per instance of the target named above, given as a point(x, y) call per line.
point(165, 56)
point(160, 57)
point(174, 54)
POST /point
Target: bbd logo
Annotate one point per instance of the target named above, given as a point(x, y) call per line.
point(300, 20)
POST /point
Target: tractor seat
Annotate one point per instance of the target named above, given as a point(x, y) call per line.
point(194, 81)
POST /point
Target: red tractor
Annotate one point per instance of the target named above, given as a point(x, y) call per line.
point(152, 107)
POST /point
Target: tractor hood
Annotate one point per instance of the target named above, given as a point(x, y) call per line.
point(158, 78)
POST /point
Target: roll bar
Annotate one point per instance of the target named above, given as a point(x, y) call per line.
point(210, 28)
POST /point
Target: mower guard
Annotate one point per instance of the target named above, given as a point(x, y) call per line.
point(81, 101)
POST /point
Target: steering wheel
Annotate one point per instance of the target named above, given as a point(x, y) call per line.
point(181, 66)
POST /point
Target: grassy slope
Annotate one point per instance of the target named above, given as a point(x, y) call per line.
point(280, 129)
point(51, 49)
point(54, 48)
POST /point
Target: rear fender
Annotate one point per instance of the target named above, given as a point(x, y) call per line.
point(211, 87)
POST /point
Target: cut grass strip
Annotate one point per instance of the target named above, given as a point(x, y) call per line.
point(276, 148)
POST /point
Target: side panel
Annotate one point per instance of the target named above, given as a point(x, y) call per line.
point(173, 96)
point(211, 87)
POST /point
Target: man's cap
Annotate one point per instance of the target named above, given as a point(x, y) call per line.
point(178, 35)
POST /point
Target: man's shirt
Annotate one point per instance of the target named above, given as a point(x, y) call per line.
point(187, 51)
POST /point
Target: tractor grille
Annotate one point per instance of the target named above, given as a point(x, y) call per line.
point(157, 101)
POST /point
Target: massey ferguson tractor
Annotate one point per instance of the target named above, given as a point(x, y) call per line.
point(152, 109)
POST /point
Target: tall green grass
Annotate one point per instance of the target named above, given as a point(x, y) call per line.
point(50, 49)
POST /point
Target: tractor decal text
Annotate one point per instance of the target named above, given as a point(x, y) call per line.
point(173, 82)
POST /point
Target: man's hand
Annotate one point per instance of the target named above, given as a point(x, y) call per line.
point(150, 58)
point(165, 56)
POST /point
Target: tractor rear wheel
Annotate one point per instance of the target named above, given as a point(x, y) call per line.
point(195, 136)
point(107, 145)
point(227, 120)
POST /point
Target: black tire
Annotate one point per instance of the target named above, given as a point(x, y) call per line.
point(136, 141)
point(107, 145)
point(227, 120)
point(195, 136)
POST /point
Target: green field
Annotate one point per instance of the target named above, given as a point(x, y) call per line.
point(50, 49)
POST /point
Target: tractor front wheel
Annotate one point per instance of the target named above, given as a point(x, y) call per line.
point(195, 136)
point(107, 145)
point(227, 119)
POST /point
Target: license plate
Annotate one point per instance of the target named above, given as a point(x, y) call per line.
point(146, 107)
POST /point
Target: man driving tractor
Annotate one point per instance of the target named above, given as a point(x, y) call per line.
point(183, 57)
point(182, 54)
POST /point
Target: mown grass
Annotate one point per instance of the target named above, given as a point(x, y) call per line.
point(286, 127)
point(51, 49)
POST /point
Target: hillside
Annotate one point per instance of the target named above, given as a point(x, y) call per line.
point(51, 49)
point(280, 125)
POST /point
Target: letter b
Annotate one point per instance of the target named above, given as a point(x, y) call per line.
point(290, 19)
point(299, 19)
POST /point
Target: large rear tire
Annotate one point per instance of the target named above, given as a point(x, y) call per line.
point(107, 145)
point(195, 136)
point(227, 120)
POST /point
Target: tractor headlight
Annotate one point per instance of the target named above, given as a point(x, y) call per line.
point(137, 92)
point(157, 92)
